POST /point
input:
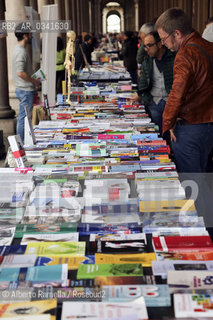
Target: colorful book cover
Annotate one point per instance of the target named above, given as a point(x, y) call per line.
point(119, 281)
point(167, 205)
point(197, 256)
point(35, 274)
point(193, 305)
point(87, 228)
point(56, 248)
point(183, 243)
point(145, 259)
point(72, 262)
point(118, 237)
point(91, 271)
point(154, 295)
point(41, 226)
point(29, 308)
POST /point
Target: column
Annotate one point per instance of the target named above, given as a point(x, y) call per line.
point(42, 3)
point(5, 109)
point(136, 15)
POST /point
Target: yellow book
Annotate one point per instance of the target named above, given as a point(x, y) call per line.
point(167, 205)
point(56, 248)
point(29, 308)
point(145, 259)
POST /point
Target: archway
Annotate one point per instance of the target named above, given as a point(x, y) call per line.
point(112, 17)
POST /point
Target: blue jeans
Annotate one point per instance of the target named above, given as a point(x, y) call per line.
point(26, 99)
point(193, 146)
point(156, 113)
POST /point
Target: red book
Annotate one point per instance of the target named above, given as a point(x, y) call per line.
point(182, 243)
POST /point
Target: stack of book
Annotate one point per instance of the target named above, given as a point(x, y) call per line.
point(98, 220)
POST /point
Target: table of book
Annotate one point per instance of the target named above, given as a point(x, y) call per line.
point(92, 215)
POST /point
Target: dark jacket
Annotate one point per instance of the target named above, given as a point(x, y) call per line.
point(129, 52)
point(79, 60)
point(191, 97)
point(145, 81)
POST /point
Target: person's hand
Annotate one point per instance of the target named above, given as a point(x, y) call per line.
point(36, 82)
point(172, 135)
point(135, 98)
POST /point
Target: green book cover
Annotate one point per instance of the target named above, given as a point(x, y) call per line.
point(37, 228)
point(91, 271)
point(55, 248)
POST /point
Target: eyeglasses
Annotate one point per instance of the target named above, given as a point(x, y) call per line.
point(163, 40)
point(149, 45)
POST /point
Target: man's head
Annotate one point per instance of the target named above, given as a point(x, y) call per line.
point(145, 29)
point(23, 32)
point(88, 38)
point(153, 45)
point(173, 26)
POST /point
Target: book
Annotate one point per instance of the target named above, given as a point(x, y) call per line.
point(38, 225)
point(50, 237)
point(111, 281)
point(193, 305)
point(19, 261)
point(29, 308)
point(189, 279)
point(184, 255)
point(182, 243)
point(56, 248)
point(91, 271)
point(128, 247)
point(72, 262)
point(161, 268)
point(145, 259)
point(167, 205)
point(118, 237)
point(57, 273)
point(154, 295)
point(104, 310)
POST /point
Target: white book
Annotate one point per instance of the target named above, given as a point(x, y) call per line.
point(161, 268)
point(118, 237)
point(48, 237)
point(100, 310)
point(19, 261)
point(189, 280)
point(193, 305)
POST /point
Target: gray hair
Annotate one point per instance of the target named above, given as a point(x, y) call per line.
point(147, 28)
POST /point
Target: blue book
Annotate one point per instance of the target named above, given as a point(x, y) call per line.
point(103, 228)
point(154, 295)
point(17, 249)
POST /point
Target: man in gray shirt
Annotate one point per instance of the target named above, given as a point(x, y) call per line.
point(22, 72)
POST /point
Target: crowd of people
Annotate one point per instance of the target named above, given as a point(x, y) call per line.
point(171, 63)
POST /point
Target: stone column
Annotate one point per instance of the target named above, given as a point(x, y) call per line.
point(40, 4)
point(5, 109)
point(136, 15)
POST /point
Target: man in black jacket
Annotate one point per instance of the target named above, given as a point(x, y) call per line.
point(79, 59)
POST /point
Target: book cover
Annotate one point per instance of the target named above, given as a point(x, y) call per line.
point(167, 205)
point(193, 305)
point(183, 243)
point(50, 237)
point(154, 295)
point(55, 248)
point(184, 255)
point(128, 247)
point(189, 280)
point(119, 281)
point(29, 308)
point(19, 261)
point(161, 268)
point(86, 228)
point(56, 273)
point(42, 226)
point(93, 270)
point(101, 310)
point(72, 262)
point(118, 237)
point(145, 259)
